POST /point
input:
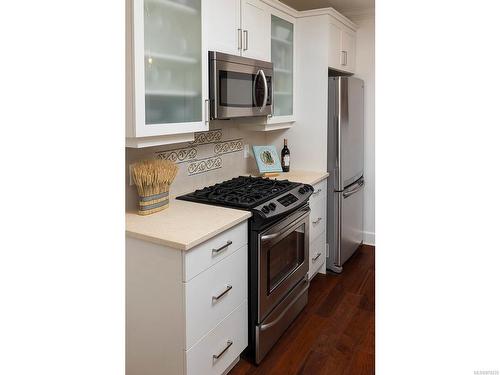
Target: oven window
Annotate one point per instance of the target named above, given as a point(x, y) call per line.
point(284, 257)
point(241, 90)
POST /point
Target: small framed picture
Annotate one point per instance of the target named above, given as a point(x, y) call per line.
point(267, 159)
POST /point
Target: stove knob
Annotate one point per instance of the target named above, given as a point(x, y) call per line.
point(272, 206)
point(265, 209)
point(302, 190)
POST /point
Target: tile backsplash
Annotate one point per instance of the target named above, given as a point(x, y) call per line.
point(212, 157)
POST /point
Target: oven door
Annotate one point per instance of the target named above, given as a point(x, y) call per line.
point(283, 259)
point(239, 90)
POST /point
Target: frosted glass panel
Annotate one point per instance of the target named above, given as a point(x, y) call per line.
point(282, 58)
point(172, 61)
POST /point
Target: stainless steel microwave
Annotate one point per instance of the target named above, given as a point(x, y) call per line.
point(239, 86)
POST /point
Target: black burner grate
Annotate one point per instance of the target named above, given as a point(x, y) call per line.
point(242, 192)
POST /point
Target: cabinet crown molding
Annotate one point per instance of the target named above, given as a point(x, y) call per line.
point(310, 13)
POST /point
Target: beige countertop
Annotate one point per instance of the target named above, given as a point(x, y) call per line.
point(306, 177)
point(183, 225)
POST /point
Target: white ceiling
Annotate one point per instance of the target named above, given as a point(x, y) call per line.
point(340, 5)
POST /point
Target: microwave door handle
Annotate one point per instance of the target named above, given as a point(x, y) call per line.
point(264, 102)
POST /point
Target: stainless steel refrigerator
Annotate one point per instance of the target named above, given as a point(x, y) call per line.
point(345, 165)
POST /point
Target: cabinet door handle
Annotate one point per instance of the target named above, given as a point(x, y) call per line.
point(317, 192)
point(344, 58)
point(228, 288)
point(239, 39)
point(207, 109)
point(317, 220)
point(228, 345)
point(316, 257)
point(219, 249)
point(245, 44)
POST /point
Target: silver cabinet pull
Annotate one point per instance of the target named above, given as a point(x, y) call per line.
point(317, 220)
point(219, 249)
point(228, 288)
point(228, 345)
point(316, 257)
point(206, 111)
point(245, 44)
point(317, 192)
point(239, 39)
point(344, 58)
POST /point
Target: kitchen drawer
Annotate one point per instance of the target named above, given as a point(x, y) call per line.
point(317, 254)
point(317, 218)
point(319, 192)
point(205, 255)
point(233, 329)
point(203, 310)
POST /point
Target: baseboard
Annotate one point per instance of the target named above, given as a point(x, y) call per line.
point(237, 359)
point(369, 238)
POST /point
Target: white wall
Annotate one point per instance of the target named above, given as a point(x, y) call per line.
point(365, 69)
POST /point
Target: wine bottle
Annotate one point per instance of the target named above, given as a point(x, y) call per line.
point(285, 157)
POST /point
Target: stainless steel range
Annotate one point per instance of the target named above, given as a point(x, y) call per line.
point(278, 251)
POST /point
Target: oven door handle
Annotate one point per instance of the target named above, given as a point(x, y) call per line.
point(294, 223)
point(271, 236)
point(264, 102)
point(275, 321)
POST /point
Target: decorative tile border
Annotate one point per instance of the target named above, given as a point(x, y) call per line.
point(180, 155)
point(210, 136)
point(211, 157)
point(226, 147)
point(204, 165)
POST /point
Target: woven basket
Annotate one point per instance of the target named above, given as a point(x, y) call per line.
point(153, 203)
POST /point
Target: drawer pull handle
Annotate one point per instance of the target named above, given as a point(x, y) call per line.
point(317, 192)
point(229, 343)
point(316, 257)
point(218, 250)
point(317, 220)
point(228, 288)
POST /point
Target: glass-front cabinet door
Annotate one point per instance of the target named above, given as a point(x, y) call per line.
point(282, 40)
point(170, 77)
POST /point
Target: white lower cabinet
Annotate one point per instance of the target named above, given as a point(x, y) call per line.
point(317, 229)
point(186, 311)
point(213, 294)
point(317, 254)
point(217, 350)
point(317, 219)
point(214, 250)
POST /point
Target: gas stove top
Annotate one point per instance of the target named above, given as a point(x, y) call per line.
point(266, 197)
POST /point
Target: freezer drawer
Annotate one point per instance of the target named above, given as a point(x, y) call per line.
point(345, 232)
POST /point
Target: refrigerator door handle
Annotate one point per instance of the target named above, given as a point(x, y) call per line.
point(354, 190)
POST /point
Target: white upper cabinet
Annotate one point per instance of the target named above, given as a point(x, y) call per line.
point(282, 56)
point(222, 20)
point(334, 47)
point(342, 47)
point(348, 51)
point(239, 27)
point(256, 29)
point(166, 72)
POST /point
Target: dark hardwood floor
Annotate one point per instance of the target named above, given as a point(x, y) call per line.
point(335, 333)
